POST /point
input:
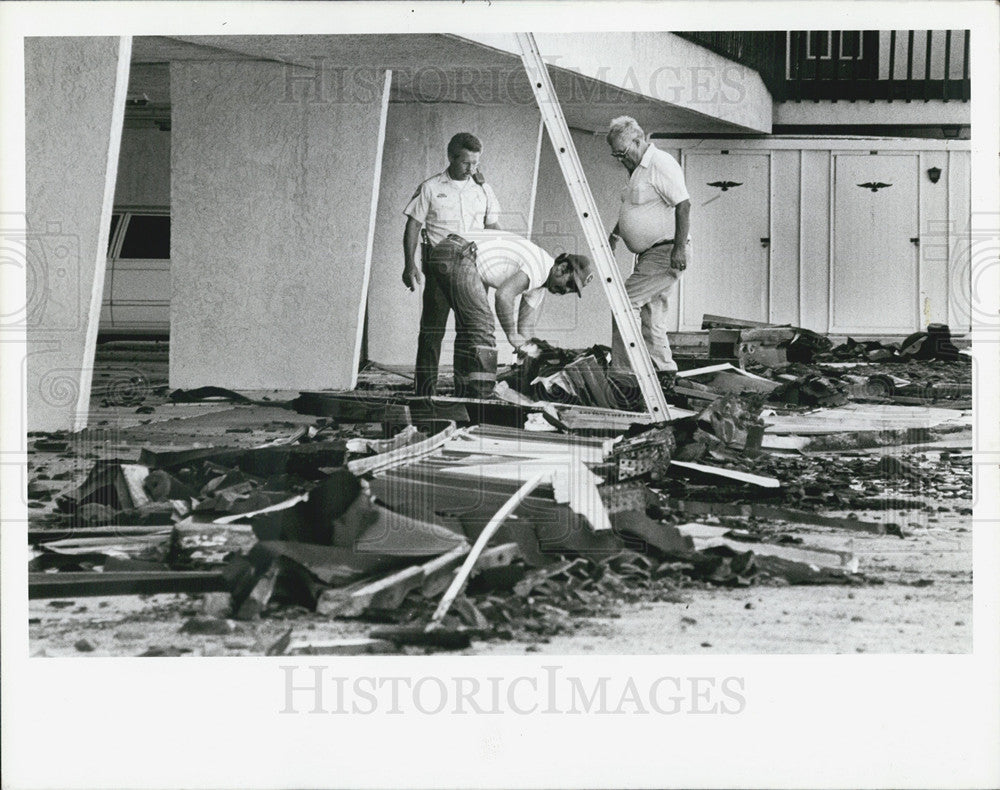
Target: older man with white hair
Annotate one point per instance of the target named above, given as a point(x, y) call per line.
point(654, 221)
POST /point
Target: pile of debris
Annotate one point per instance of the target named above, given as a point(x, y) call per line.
point(380, 528)
point(514, 518)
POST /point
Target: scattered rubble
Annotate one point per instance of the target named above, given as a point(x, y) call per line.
point(592, 505)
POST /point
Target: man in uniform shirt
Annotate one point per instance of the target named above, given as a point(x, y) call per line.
point(653, 222)
point(454, 201)
point(467, 266)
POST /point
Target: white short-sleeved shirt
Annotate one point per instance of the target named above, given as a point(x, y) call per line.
point(647, 211)
point(446, 206)
point(501, 254)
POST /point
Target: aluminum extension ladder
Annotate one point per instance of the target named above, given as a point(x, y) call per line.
point(593, 230)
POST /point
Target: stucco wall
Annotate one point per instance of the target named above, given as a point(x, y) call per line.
point(271, 202)
point(70, 129)
point(415, 148)
point(144, 168)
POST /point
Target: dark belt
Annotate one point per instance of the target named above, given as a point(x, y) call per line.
point(658, 244)
point(467, 248)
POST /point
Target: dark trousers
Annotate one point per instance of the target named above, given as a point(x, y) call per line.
point(457, 282)
point(433, 319)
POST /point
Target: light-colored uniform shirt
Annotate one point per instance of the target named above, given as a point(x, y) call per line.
point(647, 212)
point(501, 254)
point(445, 206)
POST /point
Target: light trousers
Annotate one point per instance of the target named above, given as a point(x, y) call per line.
point(648, 289)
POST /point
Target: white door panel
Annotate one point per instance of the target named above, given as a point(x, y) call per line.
point(730, 215)
point(874, 275)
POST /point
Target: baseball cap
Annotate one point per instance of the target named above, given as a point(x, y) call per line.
point(583, 271)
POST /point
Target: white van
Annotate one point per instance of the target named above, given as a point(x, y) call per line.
point(136, 297)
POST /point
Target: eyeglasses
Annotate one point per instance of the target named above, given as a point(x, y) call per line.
point(622, 153)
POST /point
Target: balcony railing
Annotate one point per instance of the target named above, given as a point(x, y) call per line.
point(851, 65)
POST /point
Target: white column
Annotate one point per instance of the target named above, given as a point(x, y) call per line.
point(74, 107)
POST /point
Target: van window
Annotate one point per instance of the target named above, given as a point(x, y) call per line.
point(147, 236)
point(115, 219)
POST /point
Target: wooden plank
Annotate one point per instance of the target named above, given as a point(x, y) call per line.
point(580, 418)
point(853, 418)
point(462, 577)
point(774, 512)
point(718, 368)
point(386, 593)
point(727, 382)
point(360, 646)
point(493, 557)
point(701, 395)
point(169, 459)
point(728, 474)
point(401, 455)
point(389, 591)
point(75, 585)
point(706, 536)
point(503, 432)
point(42, 536)
point(709, 321)
point(111, 543)
point(525, 444)
point(438, 572)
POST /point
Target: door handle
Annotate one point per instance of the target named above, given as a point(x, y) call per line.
point(764, 242)
point(915, 240)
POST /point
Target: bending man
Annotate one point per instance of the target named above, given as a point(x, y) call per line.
point(653, 222)
point(467, 266)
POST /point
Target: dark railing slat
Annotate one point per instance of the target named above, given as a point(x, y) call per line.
point(854, 68)
point(947, 64)
point(892, 64)
point(816, 60)
point(835, 56)
point(909, 63)
point(798, 62)
point(927, 66)
point(792, 72)
point(965, 66)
